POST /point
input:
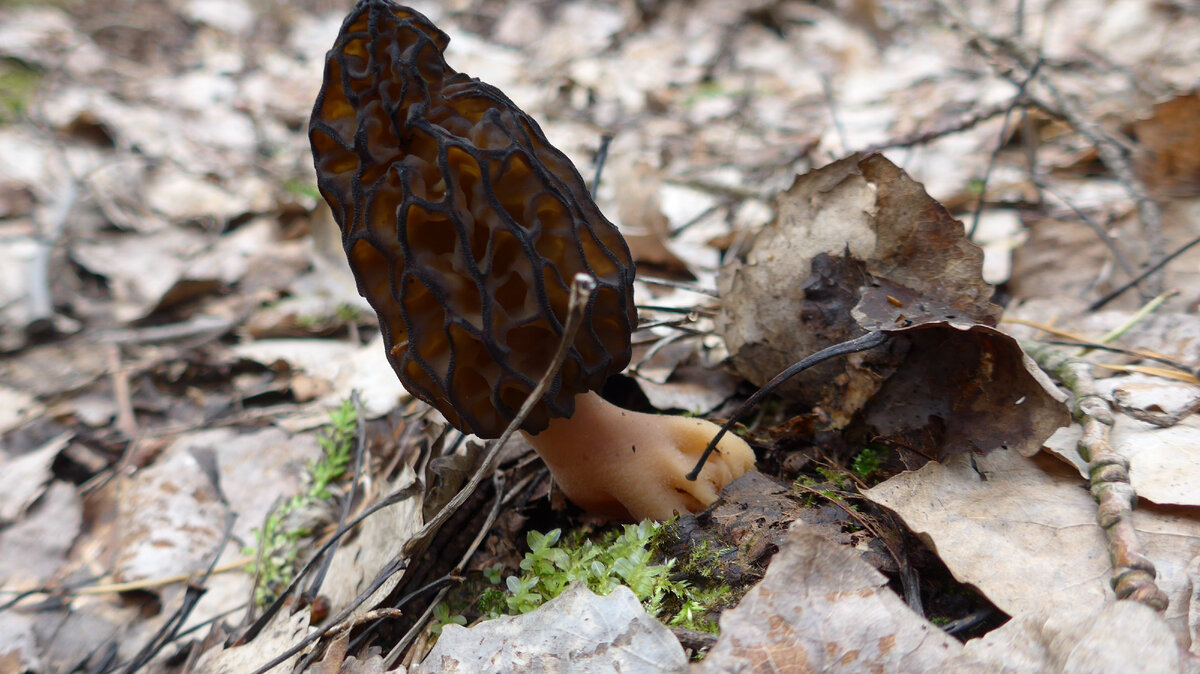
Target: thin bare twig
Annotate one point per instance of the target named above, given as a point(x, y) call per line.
point(126, 421)
point(690, 287)
point(1087, 220)
point(412, 633)
point(581, 289)
point(987, 174)
point(971, 120)
point(360, 449)
point(1146, 273)
point(1113, 151)
point(831, 101)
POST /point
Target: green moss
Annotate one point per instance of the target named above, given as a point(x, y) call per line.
point(18, 82)
point(618, 557)
point(869, 460)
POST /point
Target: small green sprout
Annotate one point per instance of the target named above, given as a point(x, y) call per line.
point(302, 188)
point(337, 440)
point(276, 545)
point(443, 617)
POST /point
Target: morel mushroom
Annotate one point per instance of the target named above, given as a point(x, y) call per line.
point(464, 228)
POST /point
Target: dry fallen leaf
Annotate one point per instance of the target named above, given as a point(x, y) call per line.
point(377, 544)
point(965, 390)
point(257, 468)
point(284, 631)
point(36, 547)
point(169, 521)
point(1084, 642)
point(1170, 139)
point(1023, 532)
point(645, 228)
point(822, 609)
point(27, 476)
point(1164, 463)
point(855, 223)
point(19, 650)
point(880, 254)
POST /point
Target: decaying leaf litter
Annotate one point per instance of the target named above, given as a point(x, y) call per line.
point(178, 323)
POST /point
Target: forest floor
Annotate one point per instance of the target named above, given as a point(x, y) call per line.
point(209, 465)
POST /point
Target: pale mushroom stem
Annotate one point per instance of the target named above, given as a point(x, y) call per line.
point(621, 464)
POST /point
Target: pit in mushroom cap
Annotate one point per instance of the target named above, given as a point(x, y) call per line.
point(464, 228)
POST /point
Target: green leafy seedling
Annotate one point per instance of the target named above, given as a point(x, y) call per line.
point(276, 544)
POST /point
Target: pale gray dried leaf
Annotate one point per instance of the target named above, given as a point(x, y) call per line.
point(284, 631)
point(1164, 463)
point(25, 157)
point(331, 275)
point(657, 361)
point(344, 365)
point(257, 467)
point(179, 197)
point(36, 547)
point(1175, 334)
point(999, 233)
point(145, 272)
point(295, 316)
point(317, 357)
point(820, 608)
point(577, 630)
point(16, 278)
point(1023, 532)
point(378, 543)
point(519, 24)
point(169, 520)
point(16, 407)
point(640, 217)
point(368, 372)
point(373, 664)
point(1082, 642)
point(117, 188)
point(692, 388)
point(580, 29)
point(1154, 395)
point(19, 650)
point(54, 368)
point(92, 624)
point(26, 477)
point(231, 16)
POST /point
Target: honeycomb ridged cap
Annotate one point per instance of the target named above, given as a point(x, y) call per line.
point(464, 227)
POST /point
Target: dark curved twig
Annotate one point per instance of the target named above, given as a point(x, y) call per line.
point(408, 491)
point(1149, 270)
point(601, 156)
point(867, 341)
